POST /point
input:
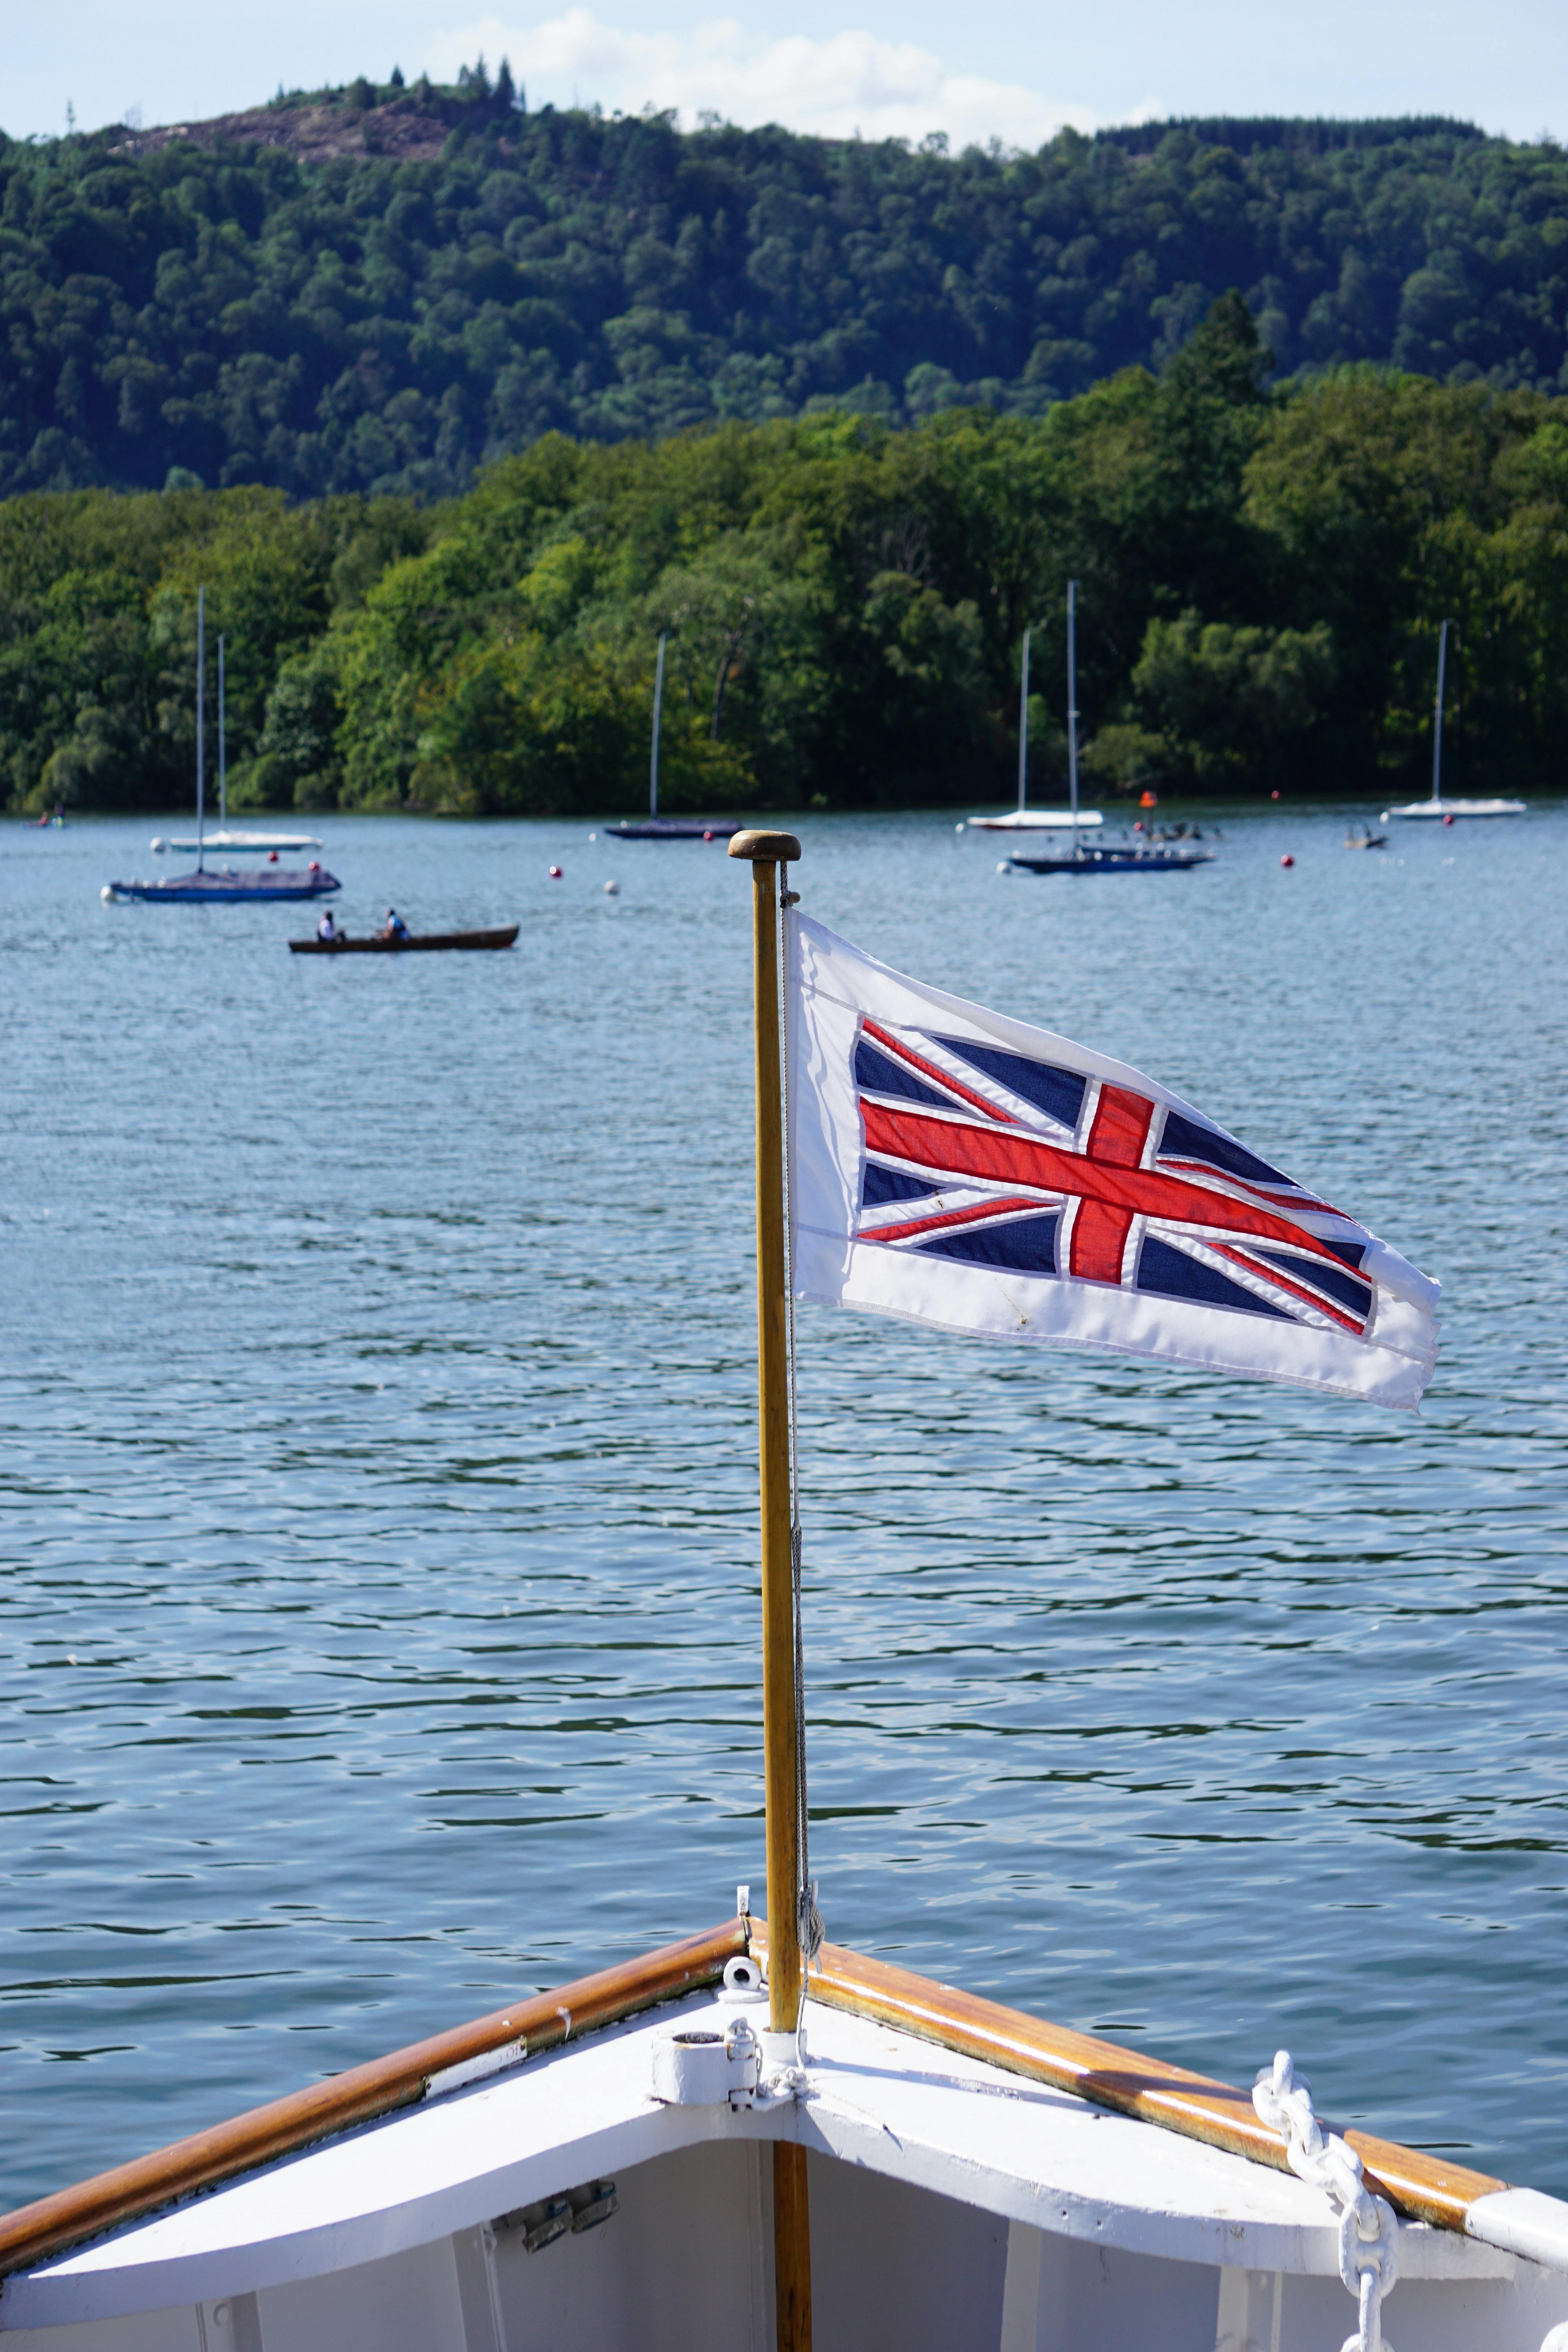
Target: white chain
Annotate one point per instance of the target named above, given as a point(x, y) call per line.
point(1369, 2230)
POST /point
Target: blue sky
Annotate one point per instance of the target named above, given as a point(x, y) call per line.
point(1012, 71)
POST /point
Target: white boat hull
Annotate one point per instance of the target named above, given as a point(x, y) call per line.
point(224, 840)
point(1035, 821)
point(954, 2205)
point(1440, 809)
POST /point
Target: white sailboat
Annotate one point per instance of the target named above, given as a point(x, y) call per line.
point(222, 839)
point(1435, 805)
point(1023, 819)
point(1115, 857)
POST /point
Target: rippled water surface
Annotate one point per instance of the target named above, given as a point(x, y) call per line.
point(381, 1631)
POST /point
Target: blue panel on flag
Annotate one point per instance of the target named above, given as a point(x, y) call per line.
point(880, 1184)
point(1027, 1245)
point(880, 1075)
point(1184, 1139)
point(1057, 1092)
point(1352, 1290)
point(1173, 1274)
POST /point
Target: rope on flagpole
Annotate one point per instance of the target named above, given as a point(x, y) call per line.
point(808, 1917)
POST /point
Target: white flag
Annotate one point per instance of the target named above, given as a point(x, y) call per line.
point(961, 1169)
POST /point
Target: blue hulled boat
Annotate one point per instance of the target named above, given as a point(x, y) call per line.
point(212, 884)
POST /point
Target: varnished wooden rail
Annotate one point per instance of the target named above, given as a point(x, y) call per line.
point(541, 2022)
point(1423, 2188)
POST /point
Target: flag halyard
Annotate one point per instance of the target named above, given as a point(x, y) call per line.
point(964, 1170)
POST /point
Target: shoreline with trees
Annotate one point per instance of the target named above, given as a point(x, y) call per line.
point(1262, 574)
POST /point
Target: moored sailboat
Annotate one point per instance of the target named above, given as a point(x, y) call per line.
point(653, 827)
point(225, 837)
point(1023, 819)
point(1130, 856)
point(220, 885)
point(1434, 808)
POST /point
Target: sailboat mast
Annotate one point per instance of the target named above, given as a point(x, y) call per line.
point(653, 756)
point(1072, 707)
point(222, 758)
point(1437, 717)
point(201, 718)
point(1024, 727)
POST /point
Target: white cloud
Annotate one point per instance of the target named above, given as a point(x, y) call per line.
point(852, 82)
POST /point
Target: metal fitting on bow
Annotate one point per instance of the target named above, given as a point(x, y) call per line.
point(1369, 2228)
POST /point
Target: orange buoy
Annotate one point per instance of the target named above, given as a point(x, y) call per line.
point(1148, 800)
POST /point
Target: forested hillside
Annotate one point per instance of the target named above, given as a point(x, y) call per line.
point(1261, 574)
point(377, 289)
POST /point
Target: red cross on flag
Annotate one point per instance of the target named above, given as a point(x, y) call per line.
point(955, 1167)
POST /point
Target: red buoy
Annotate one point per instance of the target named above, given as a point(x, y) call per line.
point(1448, 816)
point(1287, 859)
point(1273, 796)
point(555, 874)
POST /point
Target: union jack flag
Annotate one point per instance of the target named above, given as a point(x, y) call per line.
point(994, 1159)
point(958, 1167)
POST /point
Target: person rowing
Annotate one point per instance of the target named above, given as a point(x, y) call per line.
point(394, 927)
point(327, 930)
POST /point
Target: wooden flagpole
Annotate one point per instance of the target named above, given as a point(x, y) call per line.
point(768, 853)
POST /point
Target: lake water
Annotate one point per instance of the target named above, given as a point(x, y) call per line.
point(380, 1612)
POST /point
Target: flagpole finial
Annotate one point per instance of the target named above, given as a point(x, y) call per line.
point(767, 848)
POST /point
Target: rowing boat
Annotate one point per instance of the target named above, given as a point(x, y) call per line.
point(410, 943)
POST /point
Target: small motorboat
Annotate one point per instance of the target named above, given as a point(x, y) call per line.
point(408, 942)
